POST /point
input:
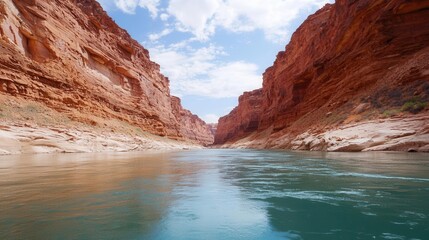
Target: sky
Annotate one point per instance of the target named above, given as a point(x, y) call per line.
point(212, 50)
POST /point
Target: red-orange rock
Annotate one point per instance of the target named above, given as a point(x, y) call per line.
point(350, 53)
point(192, 126)
point(242, 120)
point(70, 55)
point(213, 127)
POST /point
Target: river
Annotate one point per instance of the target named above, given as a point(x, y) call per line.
point(215, 194)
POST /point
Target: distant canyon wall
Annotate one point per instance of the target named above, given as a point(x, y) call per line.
point(350, 62)
point(71, 56)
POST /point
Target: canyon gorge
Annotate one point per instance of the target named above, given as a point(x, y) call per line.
point(354, 77)
point(334, 144)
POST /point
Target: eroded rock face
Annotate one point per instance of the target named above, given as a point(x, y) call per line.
point(70, 55)
point(349, 62)
point(242, 120)
point(213, 127)
point(193, 126)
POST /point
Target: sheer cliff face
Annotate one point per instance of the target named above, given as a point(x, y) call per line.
point(195, 128)
point(242, 120)
point(349, 61)
point(71, 56)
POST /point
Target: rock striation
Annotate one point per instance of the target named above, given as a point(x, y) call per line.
point(192, 126)
point(242, 120)
point(352, 62)
point(213, 127)
point(72, 57)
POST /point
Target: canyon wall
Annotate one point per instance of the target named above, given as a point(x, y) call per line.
point(242, 120)
point(351, 62)
point(72, 57)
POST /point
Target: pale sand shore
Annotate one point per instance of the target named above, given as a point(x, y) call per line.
point(23, 138)
point(394, 134)
point(409, 133)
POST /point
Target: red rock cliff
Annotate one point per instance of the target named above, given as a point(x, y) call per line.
point(70, 55)
point(242, 120)
point(193, 126)
point(349, 62)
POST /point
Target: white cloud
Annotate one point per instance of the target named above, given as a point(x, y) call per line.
point(210, 118)
point(151, 5)
point(156, 36)
point(203, 17)
point(193, 16)
point(199, 72)
point(227, 80)
point(164, 16)
point(129, 6)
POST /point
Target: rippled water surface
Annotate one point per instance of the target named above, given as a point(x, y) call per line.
point(215, 194)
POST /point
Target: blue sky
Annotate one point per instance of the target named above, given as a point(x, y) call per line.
point(212, 50)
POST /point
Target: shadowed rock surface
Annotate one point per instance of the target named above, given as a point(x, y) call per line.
point(242, 120)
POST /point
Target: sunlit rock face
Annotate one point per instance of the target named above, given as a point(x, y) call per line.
point(71, 56)
point(350, 62)
point(191, 125)
point(213, 127)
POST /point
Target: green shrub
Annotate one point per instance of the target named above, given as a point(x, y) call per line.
point(390, 112)
point(414, 106)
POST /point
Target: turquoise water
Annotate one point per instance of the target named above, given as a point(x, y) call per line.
point(215, 194)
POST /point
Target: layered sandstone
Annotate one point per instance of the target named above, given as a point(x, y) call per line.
point(72, 57)
point(242, 120)
point(351, 62)
point(213, 127)
point(192, 126)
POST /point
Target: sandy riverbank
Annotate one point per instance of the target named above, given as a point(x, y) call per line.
point(18, 138)
point(410, 133)
point(30, 127)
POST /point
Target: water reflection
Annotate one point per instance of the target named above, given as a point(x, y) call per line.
point(86, 195)
point(215, 194)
